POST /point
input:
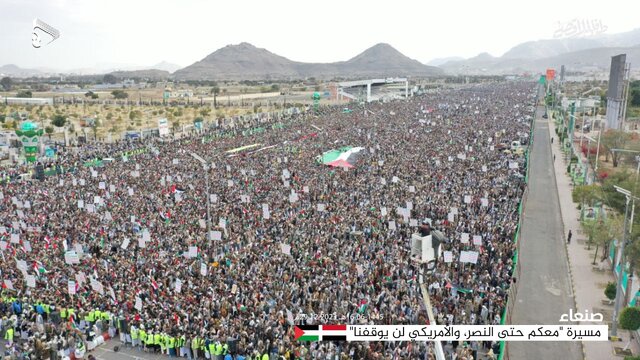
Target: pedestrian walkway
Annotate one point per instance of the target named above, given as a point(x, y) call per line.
point(588, 284)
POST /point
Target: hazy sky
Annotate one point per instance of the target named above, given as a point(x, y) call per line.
point(145, 32)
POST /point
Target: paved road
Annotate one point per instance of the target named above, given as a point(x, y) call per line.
point(544, 291)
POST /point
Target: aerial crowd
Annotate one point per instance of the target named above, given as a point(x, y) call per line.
point(122, 246)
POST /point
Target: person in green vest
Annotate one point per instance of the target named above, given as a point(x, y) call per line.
point(212, 349)
point(149, 343)
point(134, 336)
point(63, 313)
point(157, 341)
point(171, 345)
point(163, 343)
point(195, 347)
point(143, 337)
point(265, 356)
point(218, 351)
point(225, 349)
point(8, 335)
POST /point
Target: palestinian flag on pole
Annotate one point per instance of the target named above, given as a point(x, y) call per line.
point(321, 332)
point(345, 157)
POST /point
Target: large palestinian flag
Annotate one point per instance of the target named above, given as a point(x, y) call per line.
point(343, 157)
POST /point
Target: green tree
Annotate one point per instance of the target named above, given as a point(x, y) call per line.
point(6, 83)
point(598, 233)
point(135, 114)
point(635, 97)
point(88, 94)
point(215, 91)
point(586, 194)
point(610, 291)
point(109, 79)
point(275, 87)
point(48, 130)
point(615, 139)
point(24, 94)
point(59, 120)
point(175, 126)
point(198, 119)
point(120, 94)
point(205, 112)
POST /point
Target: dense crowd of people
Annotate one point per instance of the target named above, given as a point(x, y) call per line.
point(123, 247)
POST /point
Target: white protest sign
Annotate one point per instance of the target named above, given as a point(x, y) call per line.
point(102, 185)
point(138, 304)
point(286, 249)
point(392, 225)
point(178, 286)
point(125, 244)
point(485, 202)
point(71, 286)
point(9, 284)
point(80, 204)
point(464, 238)
point(15, 238)
point(467, 199)
point(213, 198)
point(216, 235)
point(71, 257)
point(448, 256)
point(305, 189)
point(203, 269)
point(31, 281)
point(21, 265)
point(193, 251)
point(477, 240)
point(383, 211)
point(321, 207)
point(412, 189)
point(469, 257)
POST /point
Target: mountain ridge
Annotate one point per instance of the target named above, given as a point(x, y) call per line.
point(248, 62)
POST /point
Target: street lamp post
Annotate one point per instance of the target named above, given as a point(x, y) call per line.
point(206, 167)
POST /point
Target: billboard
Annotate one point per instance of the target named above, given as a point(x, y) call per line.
point(550, 74)
point(163, 126)
point(616, 77)
point(615, 92)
